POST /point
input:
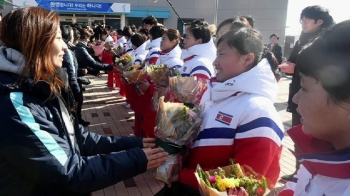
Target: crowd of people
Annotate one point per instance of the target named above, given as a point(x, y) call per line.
point(45, 150)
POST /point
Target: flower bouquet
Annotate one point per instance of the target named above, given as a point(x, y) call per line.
point(118, 50)
point(177, 127)
point(124, 62)
point(231, 180)
point(188, 89)
point(135, 74)
point(160, 77)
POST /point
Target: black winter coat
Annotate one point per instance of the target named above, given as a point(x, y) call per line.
point(70, 64)
point(294, 86)
point(85, 60)
point(277, 52)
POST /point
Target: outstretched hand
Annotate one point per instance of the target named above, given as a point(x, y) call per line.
point(155, 157)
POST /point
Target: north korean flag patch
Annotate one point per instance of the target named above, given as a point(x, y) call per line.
point(224, 118)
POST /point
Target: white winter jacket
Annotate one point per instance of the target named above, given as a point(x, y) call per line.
point(198, 60)
point(172, 58)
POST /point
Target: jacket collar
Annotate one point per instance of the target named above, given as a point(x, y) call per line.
point(258, 80)
point(320, 157)
point(154, 43)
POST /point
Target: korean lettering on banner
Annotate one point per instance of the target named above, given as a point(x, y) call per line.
point(94, 5)
point(80, 5)
point(54, 4)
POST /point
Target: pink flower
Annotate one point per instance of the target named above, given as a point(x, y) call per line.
point(212, 179)
point(191, 113)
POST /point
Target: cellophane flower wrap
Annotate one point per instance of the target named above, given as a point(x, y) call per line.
point(135, 74)
point(118, 50)
point(160, 77)
point(231, 180)
point(177, 125)
point(124, 62)
point(187, 89)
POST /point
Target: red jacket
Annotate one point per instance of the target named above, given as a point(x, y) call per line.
point(107, 57)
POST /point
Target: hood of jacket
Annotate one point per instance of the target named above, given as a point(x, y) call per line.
point(11, 60)
point(259, 80)
point(154, 43)
point(206, 50)
point(11, 67)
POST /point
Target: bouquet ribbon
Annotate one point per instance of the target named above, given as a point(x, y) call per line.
point(171, 148)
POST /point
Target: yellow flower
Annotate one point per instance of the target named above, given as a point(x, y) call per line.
point(230, 182)
point(220, 185)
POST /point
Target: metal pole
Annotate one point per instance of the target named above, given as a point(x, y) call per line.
point(216, 12)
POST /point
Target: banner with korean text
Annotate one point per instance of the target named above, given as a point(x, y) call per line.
point(75, 6)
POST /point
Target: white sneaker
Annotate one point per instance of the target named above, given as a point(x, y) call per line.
point(127, 106)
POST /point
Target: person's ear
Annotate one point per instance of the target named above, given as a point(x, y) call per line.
point(319, 22)
point(248, 59)
point(199, 41)
point(174, 43)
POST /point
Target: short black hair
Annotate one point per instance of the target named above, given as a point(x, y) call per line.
point(200, 30)
point(327, 60)
point(104, 32)
point(133, 28)
point(108, 27)
point(238, 23)
point(224, 23)
point(66, 36)
point(316, 13)
point(275, 35)
point(76, 34)
point(157, 31)
point(151, 20)
point(138, 39)
point(144, 31)
point(250, 20)
point(119, 31)
point(245, 40)
point(127, 32)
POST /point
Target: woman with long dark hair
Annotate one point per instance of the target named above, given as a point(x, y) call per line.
point(43, 150)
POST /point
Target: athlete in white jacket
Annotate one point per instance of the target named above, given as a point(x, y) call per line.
point(139, 45)
point(198, 60)
point(200, 51)
point(156, 33)
point(171, 59)
point(239, 118)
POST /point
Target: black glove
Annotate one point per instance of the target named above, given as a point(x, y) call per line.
point(84, 80)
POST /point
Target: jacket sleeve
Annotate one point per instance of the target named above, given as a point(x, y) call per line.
point(68, 64)
point(92, 71)
point(86, 60)
point(294, 54)
point(91, 143)
point(36, 148)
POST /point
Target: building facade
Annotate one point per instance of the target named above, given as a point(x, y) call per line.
point(270, 15)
